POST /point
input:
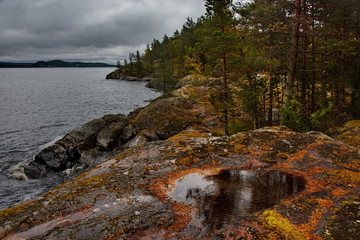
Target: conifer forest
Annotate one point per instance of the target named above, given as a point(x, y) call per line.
point(289, 62)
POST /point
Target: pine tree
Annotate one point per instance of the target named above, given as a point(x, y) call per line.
point(219, 28)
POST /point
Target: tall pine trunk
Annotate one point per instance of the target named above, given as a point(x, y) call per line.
point(226, 95)
point(293, 53)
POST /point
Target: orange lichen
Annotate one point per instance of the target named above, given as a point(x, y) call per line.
point(338, 192)
point(186, 161)
point(13, 210)
point(281, 166)
point(314, 185)
point(239, 148)
point(162, 186)
point(297, 156)
point(344, 176)
point(182, 217)
point(315, 170)
point(322, 208)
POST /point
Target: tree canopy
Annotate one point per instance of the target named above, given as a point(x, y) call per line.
point(294, 60)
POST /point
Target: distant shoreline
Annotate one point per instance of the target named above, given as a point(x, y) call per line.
point(53, 64)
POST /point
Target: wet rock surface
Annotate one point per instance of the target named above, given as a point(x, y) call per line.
point(129, 196)
point(234, 195)
point(68, 151)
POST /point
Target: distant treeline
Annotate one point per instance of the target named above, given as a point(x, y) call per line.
point(52, 64)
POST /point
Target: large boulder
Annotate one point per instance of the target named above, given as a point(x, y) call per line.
point(349, 133)
point(66, 152)
point(166, 117)
point(141, 138)
point(152, 83)
point(110, 136)
point(85, 137)
point(128, 132)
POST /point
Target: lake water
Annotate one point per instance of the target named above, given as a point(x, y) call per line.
point(38, 105)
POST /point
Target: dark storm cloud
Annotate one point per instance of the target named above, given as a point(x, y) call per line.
point(102, 30)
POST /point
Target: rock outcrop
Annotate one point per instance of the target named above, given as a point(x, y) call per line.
point(349, 133)
point(65, 153)
point(162, 118)
point(133, 195)
point(119, 75)
point(130, 196)
point(166, 117)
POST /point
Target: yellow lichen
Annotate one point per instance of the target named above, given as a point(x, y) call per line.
point(186, 161)
point(185, 135)
point(283, 155)
point(282, 226)
point(239, 148)
point(12, 210)
point(343, 176)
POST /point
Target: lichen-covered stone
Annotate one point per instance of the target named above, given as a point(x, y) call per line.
point(349, 133)
point(129, 195)
point(345, 224)
point(166, 117)
point(85, 136)
point(66, 152)
point(141, 138)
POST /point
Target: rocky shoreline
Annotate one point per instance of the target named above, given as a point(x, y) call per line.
point(129, 196)
point(119, 75)
point(161, 119)
point(112, 132)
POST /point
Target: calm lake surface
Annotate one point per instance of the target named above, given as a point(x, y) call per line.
point(38, 105)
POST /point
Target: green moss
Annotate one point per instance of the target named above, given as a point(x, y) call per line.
point(349, 133)
point(166, 117)
point(239, 125)
point(218, 132)
point(96, 149)
point(282, 226)
point(194, 96)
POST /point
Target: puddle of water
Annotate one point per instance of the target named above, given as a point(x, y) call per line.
point(191, 186)
point(233, 195)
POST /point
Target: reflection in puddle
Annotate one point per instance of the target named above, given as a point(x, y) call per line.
point(233, 195)
point(192, 186)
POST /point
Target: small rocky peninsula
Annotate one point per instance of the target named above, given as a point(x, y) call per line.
point(120, 75)
point(175, 177)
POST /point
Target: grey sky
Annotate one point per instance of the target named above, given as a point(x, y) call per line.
point(87, 30)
